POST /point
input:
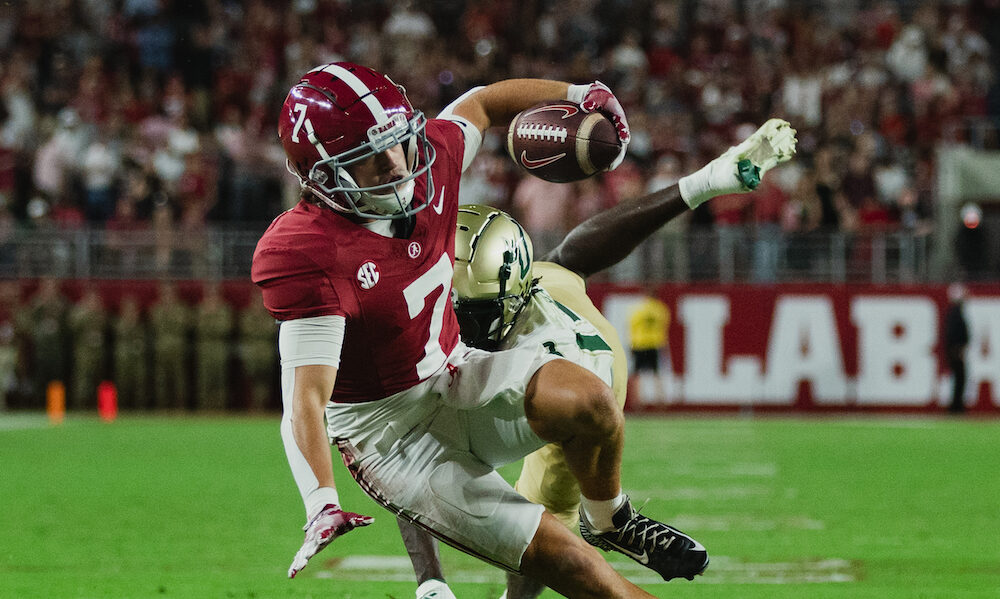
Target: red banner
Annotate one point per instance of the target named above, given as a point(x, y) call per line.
point(813, 346)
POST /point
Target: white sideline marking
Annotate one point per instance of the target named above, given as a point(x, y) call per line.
point(722, 570)
point(17, 422)
point(912, 423)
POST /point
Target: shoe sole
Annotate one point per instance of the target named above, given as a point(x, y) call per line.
point(773, 143)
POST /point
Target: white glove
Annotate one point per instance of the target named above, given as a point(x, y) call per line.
point(598, 96)
point(327, 525)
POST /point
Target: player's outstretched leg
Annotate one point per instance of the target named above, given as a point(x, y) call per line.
point(570, 567)
point(568, 404)
point(741, 167)
point(664, 549)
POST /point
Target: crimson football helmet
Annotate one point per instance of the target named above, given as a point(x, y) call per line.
point(342, 113)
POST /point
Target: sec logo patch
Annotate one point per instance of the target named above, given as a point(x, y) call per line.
point(413, 249)
point(368, 275)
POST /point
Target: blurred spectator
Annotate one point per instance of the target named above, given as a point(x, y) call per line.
point(970, 242)
point(121, 239)
point(170, 321)
point(155, 40)
point(484, 181)
point(801, 215)
point(87, 321)
point(10, 354)
point(42, 323)
point(163, 225)
point(629, 63)
point(648, 322)
point(131, 356)
point(100, 166)
point(908, 55)
point(58, 157)
point(257, 332)
point(914, 215)
point(19, 122)
point(544, 209)
point(955, 342)
point(767, 204)
point(407, 32)
point(8, 231)
point(858, 182)
point(213, 332)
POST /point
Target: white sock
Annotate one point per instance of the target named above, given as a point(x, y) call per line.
point(716, 178)
point(599, 512)
point(434, 588)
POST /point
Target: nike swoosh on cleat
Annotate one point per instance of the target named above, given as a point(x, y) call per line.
point(642, 558)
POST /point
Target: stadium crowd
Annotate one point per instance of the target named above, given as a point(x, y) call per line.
point(158, 114)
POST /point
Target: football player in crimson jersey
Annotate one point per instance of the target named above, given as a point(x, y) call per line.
point(504, 299)
point(359, 274)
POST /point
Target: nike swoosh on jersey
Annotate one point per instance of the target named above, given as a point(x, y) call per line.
point(440, 203)
point(530, 164)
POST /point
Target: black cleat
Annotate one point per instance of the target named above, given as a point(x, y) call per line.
point(661, 548)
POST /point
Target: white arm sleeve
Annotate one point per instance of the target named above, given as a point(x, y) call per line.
point(473, 136)
point(305, 342)
point(311, 341)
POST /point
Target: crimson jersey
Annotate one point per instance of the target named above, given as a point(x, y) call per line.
point(394, 293)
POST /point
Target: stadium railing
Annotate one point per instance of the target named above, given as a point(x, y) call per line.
point(730, 254)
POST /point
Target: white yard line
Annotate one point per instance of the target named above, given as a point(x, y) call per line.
point(722, 570)
point(744, 523)
point(677, 493)
point(737, 470)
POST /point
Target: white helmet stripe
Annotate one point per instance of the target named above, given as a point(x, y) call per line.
point(311, 135)
point(376, 108)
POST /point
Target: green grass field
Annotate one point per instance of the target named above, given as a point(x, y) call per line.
point(860, 507)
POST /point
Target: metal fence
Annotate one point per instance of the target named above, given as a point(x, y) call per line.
point(755, 255)
point(91, 253)
point(730, 254)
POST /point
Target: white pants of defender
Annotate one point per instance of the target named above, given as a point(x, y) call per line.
point(429, 453)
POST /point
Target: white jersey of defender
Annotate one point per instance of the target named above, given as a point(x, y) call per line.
point(544, 322)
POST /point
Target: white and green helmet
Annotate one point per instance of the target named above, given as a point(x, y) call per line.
point(492, 281)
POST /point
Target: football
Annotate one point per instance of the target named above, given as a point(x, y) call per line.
point(559, 142)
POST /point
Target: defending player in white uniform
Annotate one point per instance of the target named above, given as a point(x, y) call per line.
point(493, 280)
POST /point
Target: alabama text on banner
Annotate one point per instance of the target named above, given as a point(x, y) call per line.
point(815, 346)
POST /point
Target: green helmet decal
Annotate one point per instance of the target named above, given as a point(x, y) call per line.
point(492, 273)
